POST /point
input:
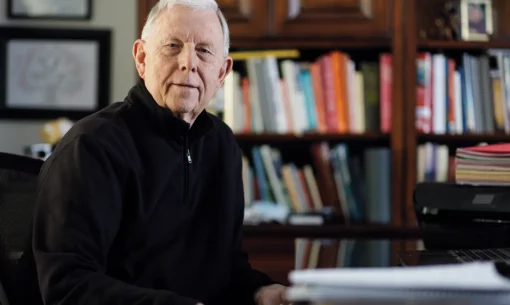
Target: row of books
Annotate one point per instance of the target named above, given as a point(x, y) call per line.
point(434, 163)
point(333, 253)
point(469, 95)
point(481, 164)
point(329, 95)
point(356, 188)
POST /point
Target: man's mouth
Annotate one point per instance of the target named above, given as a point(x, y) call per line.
point(187, 85)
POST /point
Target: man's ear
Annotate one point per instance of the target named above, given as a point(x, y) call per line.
point(139, 54)
point(225, 70)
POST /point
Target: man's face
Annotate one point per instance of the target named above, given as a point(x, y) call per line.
point(183, 62)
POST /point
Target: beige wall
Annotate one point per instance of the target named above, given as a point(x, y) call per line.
point(15, 134)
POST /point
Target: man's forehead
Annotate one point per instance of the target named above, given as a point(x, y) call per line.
point(171, 25)
point(199, 17)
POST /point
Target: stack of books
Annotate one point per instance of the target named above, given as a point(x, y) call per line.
point(483, 165)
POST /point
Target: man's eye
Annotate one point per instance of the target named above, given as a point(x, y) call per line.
point(173, 45)
point(203, 50)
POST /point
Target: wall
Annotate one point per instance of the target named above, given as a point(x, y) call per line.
point(15, 134)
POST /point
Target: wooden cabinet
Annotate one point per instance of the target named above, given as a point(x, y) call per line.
point(259, 20)
point(246, 18)
point(144, 7)
point(332, 18)
point(275, 257)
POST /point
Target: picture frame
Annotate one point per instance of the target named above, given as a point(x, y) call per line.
point(50, 9)
point(51, 73)
point(476, 20)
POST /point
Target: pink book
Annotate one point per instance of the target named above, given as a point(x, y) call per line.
point(486, 150)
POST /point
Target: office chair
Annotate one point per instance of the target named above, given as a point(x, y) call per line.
point(18, 184)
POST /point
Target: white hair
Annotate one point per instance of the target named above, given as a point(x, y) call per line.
point(195, 4)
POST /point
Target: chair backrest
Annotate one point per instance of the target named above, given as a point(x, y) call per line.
point(18, 191)
point(18, 186)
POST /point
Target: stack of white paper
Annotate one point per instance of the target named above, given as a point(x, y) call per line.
point(470, 282)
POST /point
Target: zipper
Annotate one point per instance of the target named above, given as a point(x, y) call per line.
point(189, 157)
point(187, 162)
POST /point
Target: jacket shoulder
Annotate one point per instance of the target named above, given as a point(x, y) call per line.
point(107, 127)
point(221, 126)
point(226, 135)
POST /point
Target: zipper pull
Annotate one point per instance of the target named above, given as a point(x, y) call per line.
point(189, 157)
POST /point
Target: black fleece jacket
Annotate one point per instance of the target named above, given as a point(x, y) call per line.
point(135, 207)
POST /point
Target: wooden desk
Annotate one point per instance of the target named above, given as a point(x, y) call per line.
point(271, 248)
point(369, 231)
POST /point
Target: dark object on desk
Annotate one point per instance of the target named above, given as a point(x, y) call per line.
point(18, 182)
point(461, 223)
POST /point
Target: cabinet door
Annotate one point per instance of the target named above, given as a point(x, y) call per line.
point(332, 18)
point(246, 18)
point(144, 7)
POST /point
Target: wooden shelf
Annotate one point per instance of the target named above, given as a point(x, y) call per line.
point(463, 138)
point(299, 43)
point(369, 231)
point(274, 138)
point(460, 45)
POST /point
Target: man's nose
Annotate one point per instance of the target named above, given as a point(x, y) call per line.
point(188, 59)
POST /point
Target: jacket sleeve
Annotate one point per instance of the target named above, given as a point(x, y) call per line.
point(245, 279)
point(77, 216)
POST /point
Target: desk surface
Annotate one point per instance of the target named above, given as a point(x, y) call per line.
point(278, 256)
point(368, 231)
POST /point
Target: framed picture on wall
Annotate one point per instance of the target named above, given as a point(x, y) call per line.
point(51, 73)
point(476, 19)
point(50, 9)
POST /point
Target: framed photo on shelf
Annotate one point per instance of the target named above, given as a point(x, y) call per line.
point(476, 19)
point(50, 9)
point(51, 73)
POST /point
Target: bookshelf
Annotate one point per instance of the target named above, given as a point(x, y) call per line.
point(462, 45)
point(358, 29)
point(362, 30)
point(369, 137)
point(448, 141)
point(462, 139)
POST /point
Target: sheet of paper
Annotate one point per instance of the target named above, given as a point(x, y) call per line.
point(468, 276)
point(358, 296)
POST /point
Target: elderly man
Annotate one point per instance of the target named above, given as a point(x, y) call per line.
point(142, 202)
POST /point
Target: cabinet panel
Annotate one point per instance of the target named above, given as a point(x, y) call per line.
point(332, 18)
point(144, 7)
point(273, 256)
point(246, 18)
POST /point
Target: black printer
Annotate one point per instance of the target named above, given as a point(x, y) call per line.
point(456, 216)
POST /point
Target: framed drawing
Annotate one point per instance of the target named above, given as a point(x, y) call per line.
point(50, 73)
point(476, 20)
point(50, 9)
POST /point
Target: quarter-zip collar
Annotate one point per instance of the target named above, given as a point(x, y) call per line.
point(164, 120)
